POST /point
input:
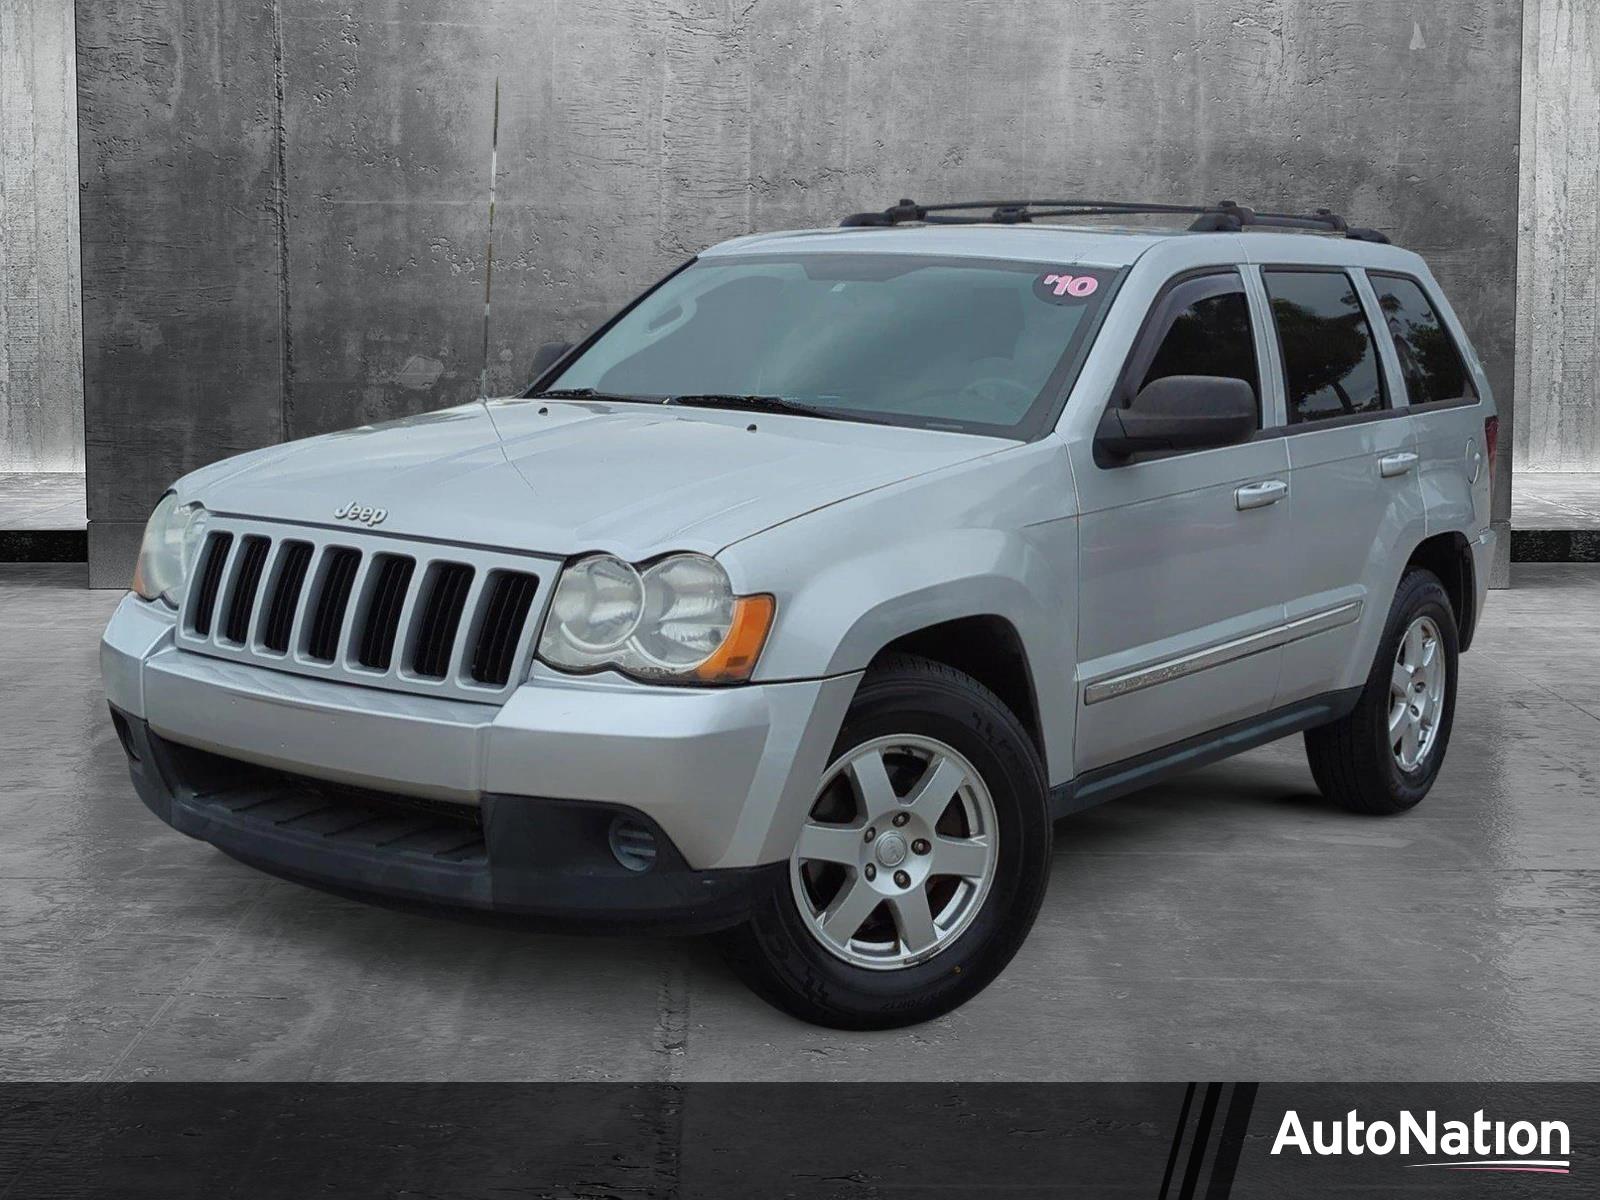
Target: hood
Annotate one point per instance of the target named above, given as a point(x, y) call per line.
point(561, 477)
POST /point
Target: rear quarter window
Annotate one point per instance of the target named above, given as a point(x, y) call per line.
point(1430, 360)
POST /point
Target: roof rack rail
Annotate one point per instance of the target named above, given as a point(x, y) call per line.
point(1223, 217)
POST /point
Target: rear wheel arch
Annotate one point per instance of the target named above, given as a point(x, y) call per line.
point(1449, 556)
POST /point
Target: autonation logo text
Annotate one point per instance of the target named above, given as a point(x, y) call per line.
point(1476, 1145)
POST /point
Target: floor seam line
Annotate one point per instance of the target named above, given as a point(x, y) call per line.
point(182, 987)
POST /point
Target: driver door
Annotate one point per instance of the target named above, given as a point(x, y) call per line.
point(1183, 571)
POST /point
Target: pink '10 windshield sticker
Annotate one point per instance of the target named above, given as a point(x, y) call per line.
point(1061, 288)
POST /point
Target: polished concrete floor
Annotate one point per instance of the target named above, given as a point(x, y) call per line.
point(1227, 925)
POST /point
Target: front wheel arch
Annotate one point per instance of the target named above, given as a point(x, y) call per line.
point(988, 648)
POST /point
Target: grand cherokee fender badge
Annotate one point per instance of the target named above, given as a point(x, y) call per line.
point(363, 513)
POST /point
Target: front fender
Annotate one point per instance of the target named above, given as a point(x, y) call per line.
point(996, 538)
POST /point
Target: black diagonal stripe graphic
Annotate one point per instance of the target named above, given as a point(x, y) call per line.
point(1177, 1140)
point(1234, 1126)
point(1202, 1137)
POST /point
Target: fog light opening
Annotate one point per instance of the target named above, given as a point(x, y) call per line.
point(124, 735)
point(632, 844)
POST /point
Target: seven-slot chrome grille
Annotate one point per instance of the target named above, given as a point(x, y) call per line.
point(381, 611)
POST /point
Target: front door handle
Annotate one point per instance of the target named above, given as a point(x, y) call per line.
point(1260, 494)
point(1391, 465)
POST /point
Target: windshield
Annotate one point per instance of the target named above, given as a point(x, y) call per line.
point(947, 343)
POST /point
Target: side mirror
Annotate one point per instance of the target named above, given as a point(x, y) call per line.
point(1179, 412)
point(546, 356)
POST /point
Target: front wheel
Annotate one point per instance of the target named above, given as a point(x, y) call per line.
point(921, 864)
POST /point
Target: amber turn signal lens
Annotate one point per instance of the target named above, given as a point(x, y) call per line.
point(735, 659)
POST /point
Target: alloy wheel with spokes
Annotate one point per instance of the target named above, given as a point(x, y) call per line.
point(897, 854)
point(1416, 693)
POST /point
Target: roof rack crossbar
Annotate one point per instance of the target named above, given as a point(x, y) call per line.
point(1225, 216)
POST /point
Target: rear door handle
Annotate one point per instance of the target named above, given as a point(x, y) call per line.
point(1260, 494)
point(1391, 465)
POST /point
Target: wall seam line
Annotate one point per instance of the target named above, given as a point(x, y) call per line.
point(281, 203)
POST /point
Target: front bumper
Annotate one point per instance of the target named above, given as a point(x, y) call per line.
point(518, 855)
point(726, 775)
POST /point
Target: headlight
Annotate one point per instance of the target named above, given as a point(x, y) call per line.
point(171, 538)
point(676, 619)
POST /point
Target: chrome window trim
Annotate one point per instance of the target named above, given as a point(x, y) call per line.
point(1109, 687)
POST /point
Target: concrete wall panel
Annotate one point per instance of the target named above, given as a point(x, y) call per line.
point(1558, 348)
point(633, 133)
point(178, 148)
point(41, 349)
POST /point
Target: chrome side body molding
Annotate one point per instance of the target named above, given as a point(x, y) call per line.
point(1111, 686)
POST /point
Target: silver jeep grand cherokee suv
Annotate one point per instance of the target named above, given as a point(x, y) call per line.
point(799, 600)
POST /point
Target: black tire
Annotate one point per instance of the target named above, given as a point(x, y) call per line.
point(1351, 758)
point(782, 961)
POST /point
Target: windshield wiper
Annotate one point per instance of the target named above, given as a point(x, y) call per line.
point(746, 403)
point(583, 393)
point(732, 400)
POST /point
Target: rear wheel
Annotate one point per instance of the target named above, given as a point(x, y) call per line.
point(1384, 756)
point(921, 863)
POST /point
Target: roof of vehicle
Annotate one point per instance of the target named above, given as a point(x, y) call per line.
point(1101, 246)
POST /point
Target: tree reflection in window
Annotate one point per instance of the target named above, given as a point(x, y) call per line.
point(1330, 362)
point(1429, 361)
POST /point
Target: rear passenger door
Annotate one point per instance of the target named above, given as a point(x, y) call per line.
point(1355, 504)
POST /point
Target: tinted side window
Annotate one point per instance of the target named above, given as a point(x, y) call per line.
point(1210, 336)
point(1329, 359)
point(1429, 360)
